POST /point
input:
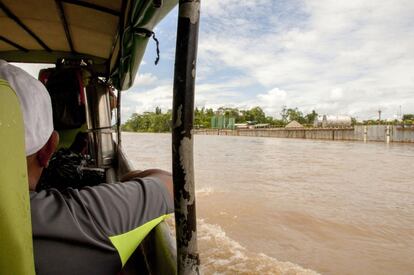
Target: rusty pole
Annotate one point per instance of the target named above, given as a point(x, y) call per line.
point(182, 140)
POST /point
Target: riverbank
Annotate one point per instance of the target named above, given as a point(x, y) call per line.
point(385, 133)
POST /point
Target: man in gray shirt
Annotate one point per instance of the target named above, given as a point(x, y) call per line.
point(87, 231)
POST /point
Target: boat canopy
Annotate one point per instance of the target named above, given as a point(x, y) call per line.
point(113, 34)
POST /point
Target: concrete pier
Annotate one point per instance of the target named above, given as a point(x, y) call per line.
point(366, 133)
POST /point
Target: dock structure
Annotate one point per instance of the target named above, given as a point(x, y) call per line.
point(381, 133)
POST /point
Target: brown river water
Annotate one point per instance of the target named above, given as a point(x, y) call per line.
point(292, 206)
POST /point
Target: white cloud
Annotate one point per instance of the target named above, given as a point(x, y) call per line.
point(144, 79)
point(336, 94)
point(343, 57)
point(147, 101)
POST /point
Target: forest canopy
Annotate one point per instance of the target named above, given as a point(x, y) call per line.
point(158, 121)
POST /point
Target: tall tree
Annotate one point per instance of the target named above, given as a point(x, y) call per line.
point(310, 118)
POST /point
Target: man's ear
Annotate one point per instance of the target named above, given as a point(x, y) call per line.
point(44, 154)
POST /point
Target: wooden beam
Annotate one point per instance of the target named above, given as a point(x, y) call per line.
point(13, 17)
point(65, 24)
point(92, 6)
point(13, 44)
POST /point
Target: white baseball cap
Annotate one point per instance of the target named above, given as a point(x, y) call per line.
point(35, 104)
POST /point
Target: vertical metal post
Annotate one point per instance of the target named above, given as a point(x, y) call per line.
point(182, 141)
point(365, 133)
point(387, 134)
point(118, 119)
point(121, 31)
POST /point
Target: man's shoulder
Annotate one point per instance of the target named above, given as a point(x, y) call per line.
point(114, 208)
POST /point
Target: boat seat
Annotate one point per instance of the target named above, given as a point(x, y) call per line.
point(16, 243)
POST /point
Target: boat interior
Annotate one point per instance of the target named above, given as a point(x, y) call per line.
point(94, 48)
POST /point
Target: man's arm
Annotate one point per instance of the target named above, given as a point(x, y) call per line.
point(162, 175)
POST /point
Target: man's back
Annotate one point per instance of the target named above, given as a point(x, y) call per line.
point(95, 229)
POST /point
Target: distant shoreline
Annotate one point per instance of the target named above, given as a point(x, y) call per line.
point(379, 133)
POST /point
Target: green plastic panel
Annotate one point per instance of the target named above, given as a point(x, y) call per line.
point(67, 137)
point(16, 244)
point(126, 243)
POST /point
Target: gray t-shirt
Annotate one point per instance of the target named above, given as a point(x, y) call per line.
point(94, 230)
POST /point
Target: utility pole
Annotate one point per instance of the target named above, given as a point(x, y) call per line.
point(379, 116)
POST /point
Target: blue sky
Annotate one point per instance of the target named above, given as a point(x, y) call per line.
point(337, 57)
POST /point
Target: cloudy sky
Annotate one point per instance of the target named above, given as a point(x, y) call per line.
point(337, 57)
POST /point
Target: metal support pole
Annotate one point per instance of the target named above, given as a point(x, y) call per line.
point(387, 134)
point(182, 141)
point(121, 43)
point(118, 119)
point(365, 133)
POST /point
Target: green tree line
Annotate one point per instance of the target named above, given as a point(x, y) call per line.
point(154, 122)
point(158, 121)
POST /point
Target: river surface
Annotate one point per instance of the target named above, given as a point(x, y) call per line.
point(292, 206)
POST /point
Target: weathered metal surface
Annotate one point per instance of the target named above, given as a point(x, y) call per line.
point(182, 141)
